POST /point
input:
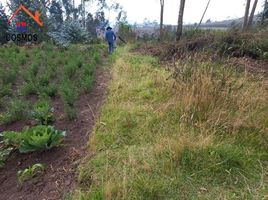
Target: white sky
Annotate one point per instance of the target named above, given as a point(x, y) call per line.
point(137, 10)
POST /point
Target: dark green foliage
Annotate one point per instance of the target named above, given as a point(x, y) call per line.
point(70, 112)
point(86, 83)
point(50, 90)
point(56, 12)
point(28, 89)
point(125, 32)
point(17, 110)
point(34, 139)
point(71, 32)
point(3, 25)
point(42, 113)
point(8, 75)
point(5, 90)
point(68, 93)
point(70, 70)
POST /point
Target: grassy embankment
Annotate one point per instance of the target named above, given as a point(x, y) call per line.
point(204, 137)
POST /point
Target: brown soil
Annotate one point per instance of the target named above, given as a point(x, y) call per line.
point(61, 162)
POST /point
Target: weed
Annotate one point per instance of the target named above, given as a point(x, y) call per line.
point(70, 112)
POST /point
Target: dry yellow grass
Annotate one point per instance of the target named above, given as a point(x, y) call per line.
point(204, 138)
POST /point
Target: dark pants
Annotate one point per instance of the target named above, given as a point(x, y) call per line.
point(111, 47)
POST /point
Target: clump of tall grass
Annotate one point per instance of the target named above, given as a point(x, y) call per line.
point(202, 137)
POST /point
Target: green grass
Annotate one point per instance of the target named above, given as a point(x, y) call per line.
point(42, 73)
point(203, 136)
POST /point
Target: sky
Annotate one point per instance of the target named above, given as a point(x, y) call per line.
point(137, 10)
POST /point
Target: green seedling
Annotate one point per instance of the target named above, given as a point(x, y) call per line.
point(30, 173)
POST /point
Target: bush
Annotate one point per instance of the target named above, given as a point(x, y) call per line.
point(68, 93)
point(43, 113)
point(70, 32)
point(70, 112)
point(17, 110)
point(36, 138)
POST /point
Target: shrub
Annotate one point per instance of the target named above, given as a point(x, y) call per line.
point(8, 75)
point(70, 112)
point(51, 90)
point(43, 80)
point(43, 113)
point(86, 83)
point(36, 138)
point(28, 89)
point(5, 90)
point(17, 110)
point(70, 32)
point(69, 70)
point(68, 93)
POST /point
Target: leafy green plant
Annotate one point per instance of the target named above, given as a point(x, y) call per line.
point(43, 113)
point(36, 138)
point(4, 151)
point(30, 172)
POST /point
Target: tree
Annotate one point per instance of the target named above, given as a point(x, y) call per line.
point(98, 21)
point(250, 21)
point(180, 20)
point(203, 14)
point(265, 12)
point(68, 8)
point(162, 4)
point(3, 24)
point(55, 11)
point(245, 23)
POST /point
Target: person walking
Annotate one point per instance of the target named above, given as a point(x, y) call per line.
point(110, 37)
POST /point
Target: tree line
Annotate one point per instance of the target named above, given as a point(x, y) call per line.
point(247, 22)
point(58, 15)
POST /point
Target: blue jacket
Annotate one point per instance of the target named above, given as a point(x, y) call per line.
point(110, 36)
